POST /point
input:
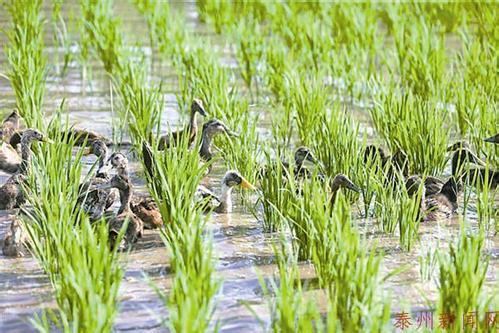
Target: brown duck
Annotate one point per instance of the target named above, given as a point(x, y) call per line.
point(11, 194)
point(173, 139)
point(338, 182)
point(96, 202)
point(10, 158)
point(122, 183)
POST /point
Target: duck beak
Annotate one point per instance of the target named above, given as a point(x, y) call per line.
point(351, 186)
point(87, 151)
point(247, 185)
point(492, 139)
point(47, 140)
point(202, 111)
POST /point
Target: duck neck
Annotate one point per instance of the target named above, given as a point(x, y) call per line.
point(122, 172)
point(334, 193)
point(457, 163)
point(125, 198)
point(193, 125)
point(102, 161)
point(25, 156)
point(205, 151)
point(298, 163)
point(225, 205)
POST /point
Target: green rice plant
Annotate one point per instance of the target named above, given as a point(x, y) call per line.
point(157, 15)
point(276, 191)
point(308, 98)
point(428, 261)
point(414, 125)
point(140, 106)
point(290, 310)
point(217, 12)
point(61, 38)
point(249, 50)
point(349, 273)
point(421, 55)
point(462, 275)
point(277, 63)
point(102, 30)
point(177, 174)
point(27, 63)
point(395, 207)
point(82, 269)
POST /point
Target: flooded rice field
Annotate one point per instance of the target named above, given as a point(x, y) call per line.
point(243, 249)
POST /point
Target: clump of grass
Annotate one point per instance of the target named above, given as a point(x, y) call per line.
point(414, 125)
point(176, 175)
point(290, 311)
point(349, 273)
point(82, 269)
point(26, 59)
point(61, 38)
point(101, 32)
point(462, 275)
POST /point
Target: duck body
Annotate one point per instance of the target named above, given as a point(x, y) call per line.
point(11, 193)
point(442, 205)
point(96, 201)
point(14, 241)
point(145, 208)
point(10, 160)
point(122, 183)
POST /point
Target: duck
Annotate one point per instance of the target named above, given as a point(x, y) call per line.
point(96, 202)
point(223, 203)
point(81, 137)
point(11, 194)
point(340, 181)
point(300, 171)
point(443, 204)
point(143, 206)
point(122, 183)
point(10, 158)
point(472, 175)
point(173, 139)
point(493, 139)
point(10, 125)
point(210, 129)
point(14, 242)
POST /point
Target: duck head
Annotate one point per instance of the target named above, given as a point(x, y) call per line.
point(116, 161)
point(99, 149)
point(197, 106)
point(493, 139)
point(303, 154)
point(230, 180)
point(214, 127)
point(31, 135)
point(341, 180)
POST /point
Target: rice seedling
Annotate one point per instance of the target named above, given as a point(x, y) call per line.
point(27, 63)
point(61, 38)
point(408, 123)
point(349, 273)
point(289, 309)
point(428, 261)
point(462, 275)
point(177, 174)
point(102, 31)
point(82, 269)
point(157, 15)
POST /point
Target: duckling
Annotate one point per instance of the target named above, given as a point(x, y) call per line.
point(14, 241)
point(230, 180)
point(96, 202)
point(210, 130)
point(341, 181)
point(122, 182)
point(493, 139)
point(11, 194)
point(9, 156)
point(173, 139)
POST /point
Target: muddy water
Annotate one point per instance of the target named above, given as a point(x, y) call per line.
point(242, 248)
